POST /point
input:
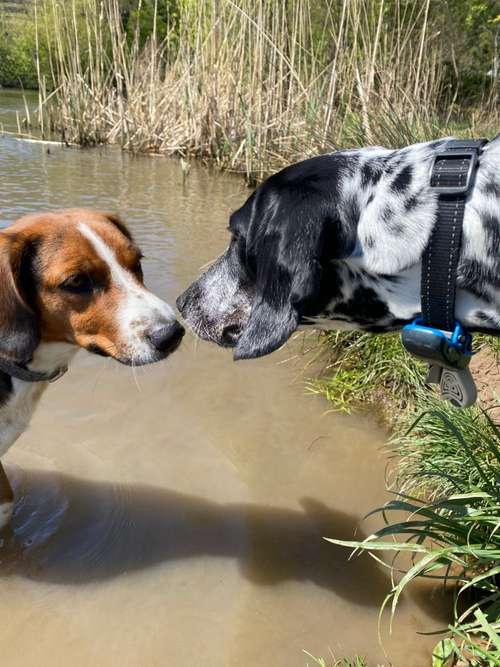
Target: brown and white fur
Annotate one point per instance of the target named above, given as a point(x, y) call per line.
point(71, 279)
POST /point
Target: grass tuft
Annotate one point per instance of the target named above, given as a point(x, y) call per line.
point(367, 370)
point(356, 661)
point(444, 450)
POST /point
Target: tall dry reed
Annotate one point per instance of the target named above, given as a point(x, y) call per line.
point(249, 84)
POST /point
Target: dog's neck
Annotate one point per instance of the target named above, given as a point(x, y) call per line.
point(380, 303)
point(378, 284)
point(49, 356)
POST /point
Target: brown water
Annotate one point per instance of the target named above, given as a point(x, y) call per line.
point(175, 516)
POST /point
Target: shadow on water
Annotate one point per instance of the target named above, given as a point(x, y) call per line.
point(72, 531)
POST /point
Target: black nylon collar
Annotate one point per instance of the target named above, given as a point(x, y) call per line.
point(27, 375)
point(452, 177)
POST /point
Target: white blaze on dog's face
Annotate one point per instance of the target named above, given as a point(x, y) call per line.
point(77, 274)
point(139, 313)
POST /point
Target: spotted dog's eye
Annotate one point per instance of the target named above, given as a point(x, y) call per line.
point(235, 235)
point(80, 283)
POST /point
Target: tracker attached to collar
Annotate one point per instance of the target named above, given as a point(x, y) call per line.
point(437, 337)
point(448, 357)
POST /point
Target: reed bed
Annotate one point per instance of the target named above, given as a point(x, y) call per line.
point(247, 84)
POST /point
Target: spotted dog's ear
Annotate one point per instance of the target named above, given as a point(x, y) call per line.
point(19, 331)
point(288, 276)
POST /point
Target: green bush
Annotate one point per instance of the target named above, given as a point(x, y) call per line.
point(140, 22)
point(17, 53)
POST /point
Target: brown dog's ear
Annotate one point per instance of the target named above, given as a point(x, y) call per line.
point(19, 331)
point(115, 220)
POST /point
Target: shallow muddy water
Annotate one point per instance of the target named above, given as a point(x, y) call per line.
point(174, 516)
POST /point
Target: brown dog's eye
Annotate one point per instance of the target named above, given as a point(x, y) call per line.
point(136, 269)
point(81, 283)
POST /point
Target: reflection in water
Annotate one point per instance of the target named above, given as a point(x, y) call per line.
point(71, 531)
point(13, 111)
point(206, 548)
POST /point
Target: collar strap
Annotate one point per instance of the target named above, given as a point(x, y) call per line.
point(27, 375)
point(452, 178)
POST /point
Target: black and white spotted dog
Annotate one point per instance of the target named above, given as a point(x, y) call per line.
point(336, 241)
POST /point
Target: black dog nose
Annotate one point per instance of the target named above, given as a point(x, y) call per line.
point(230, 335)
point(167, 338)
point(181, 301)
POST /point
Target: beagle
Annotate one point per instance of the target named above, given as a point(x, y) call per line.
point(69, 279)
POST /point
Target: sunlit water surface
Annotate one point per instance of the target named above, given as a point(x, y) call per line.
point(175, 515)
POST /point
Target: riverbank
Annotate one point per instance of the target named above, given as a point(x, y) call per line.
point(362, 371)
point(444, 474)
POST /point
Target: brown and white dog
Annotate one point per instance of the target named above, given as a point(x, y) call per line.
point(69, 279)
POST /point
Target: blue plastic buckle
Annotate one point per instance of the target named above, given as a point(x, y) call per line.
point(452, 350)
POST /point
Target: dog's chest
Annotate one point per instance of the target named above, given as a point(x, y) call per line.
point(16, 413)
point(21, 399)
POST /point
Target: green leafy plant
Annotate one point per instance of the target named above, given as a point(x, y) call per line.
point(429, 462)
point(17, 52)
point(454, 536)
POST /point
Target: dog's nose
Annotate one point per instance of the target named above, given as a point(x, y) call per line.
point(166, 338)
point(181, 301)
point(230, 335)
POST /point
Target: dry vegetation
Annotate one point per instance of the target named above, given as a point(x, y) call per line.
point(249, 84)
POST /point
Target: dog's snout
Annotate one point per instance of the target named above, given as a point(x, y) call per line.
point(166, 338)
point(230, 335)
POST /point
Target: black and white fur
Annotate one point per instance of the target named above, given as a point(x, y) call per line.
point(336, 242)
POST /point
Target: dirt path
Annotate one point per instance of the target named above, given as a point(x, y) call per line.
point(485, 368)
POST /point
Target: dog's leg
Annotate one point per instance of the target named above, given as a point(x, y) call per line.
point(6, 499)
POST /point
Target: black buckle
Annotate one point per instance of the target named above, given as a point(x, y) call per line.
point(454, 154)
point(26, 375)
